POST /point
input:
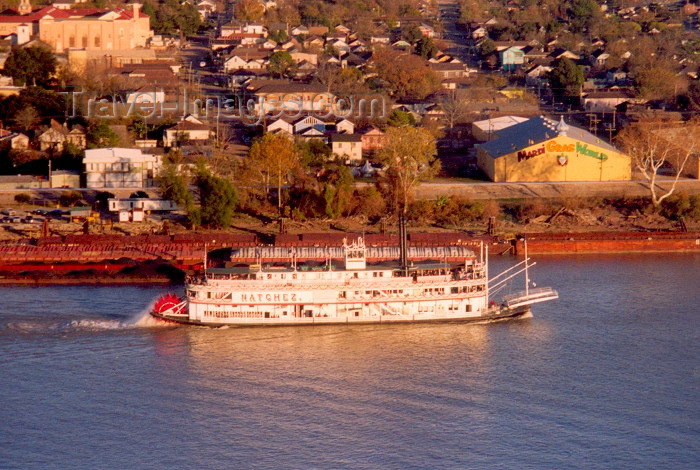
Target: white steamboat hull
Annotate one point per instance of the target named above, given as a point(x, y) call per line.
point(494, 314)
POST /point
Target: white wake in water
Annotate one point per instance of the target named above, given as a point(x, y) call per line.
point(141, 319)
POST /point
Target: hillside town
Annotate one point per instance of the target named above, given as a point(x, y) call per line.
point(294, 110)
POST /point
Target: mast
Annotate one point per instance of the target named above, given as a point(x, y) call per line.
point(527, 277)
point(403, 248)
point(205, 261)
point(485, 263)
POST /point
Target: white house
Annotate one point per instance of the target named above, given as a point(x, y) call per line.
point(345, 126)
point(281, 124)
point(307, 122)
point(190, 128)
point(348, 146)
point(120, 168)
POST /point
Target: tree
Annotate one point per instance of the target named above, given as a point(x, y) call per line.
point(273, 157)
point(103, 198)
point(22, 198)
point(70, 198)
point(566, 79)
point(410, 157)
point(249, 10)
point(281, 63)
point(453, 107)
point(405, 75)
point(217, 199)
point(652, 145)
point(31, 65)
point(399, 118)
point(99, 135)
point(173, 185)
point(27, 118)
point(426, 48)
point(582, 13)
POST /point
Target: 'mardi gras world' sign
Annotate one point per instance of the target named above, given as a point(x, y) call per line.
point(553, 146)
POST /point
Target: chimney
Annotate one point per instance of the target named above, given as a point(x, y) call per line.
point(136, 7)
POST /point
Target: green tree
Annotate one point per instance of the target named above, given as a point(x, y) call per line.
point(426, 48)
point(486, 47)
point(399, 118)
point(281, 63)
point(566, 79)
point(173, 185)
point(217, 198)
point(582, 13)
point(410, 155)
point(99, 135)
point(139, 128)
point(279, 36)
point(32, 65)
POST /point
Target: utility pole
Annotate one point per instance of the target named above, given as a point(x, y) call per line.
point(593, 123)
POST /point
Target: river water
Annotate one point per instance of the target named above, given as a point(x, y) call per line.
point(606, 377)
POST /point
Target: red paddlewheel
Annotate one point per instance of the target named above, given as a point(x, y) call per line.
point(166, 304)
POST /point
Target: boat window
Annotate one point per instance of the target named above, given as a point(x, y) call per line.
point(454, 290)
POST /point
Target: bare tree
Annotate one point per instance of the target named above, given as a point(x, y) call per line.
point(652, 145)
point(454, 108)
point(27, 118)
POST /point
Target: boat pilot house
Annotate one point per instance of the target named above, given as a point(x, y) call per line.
point(543, 150)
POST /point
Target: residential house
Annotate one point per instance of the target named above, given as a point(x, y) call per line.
point(318, 30)
point(605, 101)
point(598, 58)
point(342, 29)
point(293, 97)
point(313, 42)
point(511, 58)
point(120, 168)
point(478, 33)
point(300, 30)
point(345, 126)
point(13, 140)
point(188, 129)
point(282, 123)
point(616, 75)
point(347, 146)
point(372, 139)
point(380, 40)
point(57, 136)
point(449, 70)
point(308, 122)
